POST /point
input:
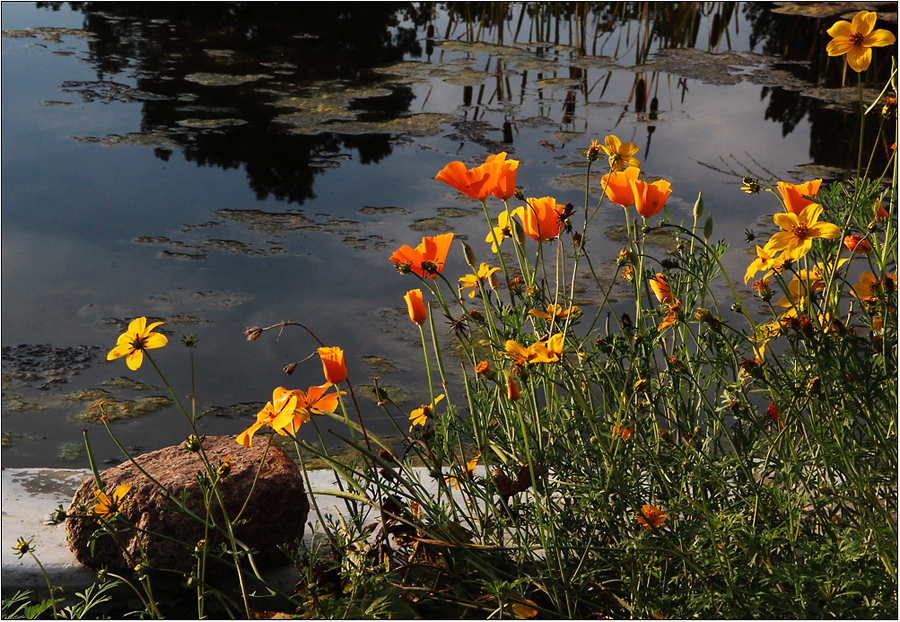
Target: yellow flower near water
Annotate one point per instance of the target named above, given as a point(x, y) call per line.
point(767, 261)
point(106, 506)
point(620, 154)
point(135, 340)
point(544, 351)
point(471, 281)
point(856, 39)
point(799, 230)
point(421, 415)
point(556, 312)
point(499, 233)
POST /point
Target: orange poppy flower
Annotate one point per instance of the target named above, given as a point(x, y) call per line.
point(880, 212)
point(618, 186)
point(856, 244)
point(418, 312)
point(333, 364)
point(649, 199)
point(660, 287)
point(496, 176)
point(502, 175)
point(474, 183)
point(427, 259)
point(541, 218)
point(794, 195)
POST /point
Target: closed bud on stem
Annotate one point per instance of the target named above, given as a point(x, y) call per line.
point(289, 369)
point(708, 228)
point(698, 207)
point(518, 231)
point(470, 255)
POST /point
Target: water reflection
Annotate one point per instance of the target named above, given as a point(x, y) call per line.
point(202, 129)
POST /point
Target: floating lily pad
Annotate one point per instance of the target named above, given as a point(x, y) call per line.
point(222, 79)
point(210, 123)
point(395, 394)
point(268, 222)
point(431, 224)
point(374, 211)
point(71, 452)
point(117, 410)
point(123, 382)
point(457, 212)
point(381, 365)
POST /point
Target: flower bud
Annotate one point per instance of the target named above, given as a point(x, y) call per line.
point(512, 390)
point(470, 254)
point(518, 231)
point(418, 312)
point(289, 369)
point(253, 333)
point(698, 206)
point(708, 228)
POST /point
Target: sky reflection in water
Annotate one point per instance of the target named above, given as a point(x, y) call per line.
point(95, 234)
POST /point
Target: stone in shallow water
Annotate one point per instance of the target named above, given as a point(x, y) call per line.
point(275, 514)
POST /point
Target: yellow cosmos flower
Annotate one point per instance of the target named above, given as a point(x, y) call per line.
point(544, 351)
point(620, 154)
point(499, 233)
point(799, 230)
point(765, 261)
point(856, 39)
point(485, 273)
point(106, 506)
point(135, 340)
point(470, 469)
point(651, 517)
point(421, 415)
point(556, 312)
point(673, 315)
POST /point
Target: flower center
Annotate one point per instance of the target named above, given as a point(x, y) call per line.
point(801, 232)
point(856, 39)
point(139, 343)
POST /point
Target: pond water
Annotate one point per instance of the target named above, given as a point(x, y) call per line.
point(220, 166)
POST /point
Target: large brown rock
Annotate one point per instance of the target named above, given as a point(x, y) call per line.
point(275, 514)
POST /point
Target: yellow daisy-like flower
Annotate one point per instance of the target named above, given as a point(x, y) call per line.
point(856, 39)
point(421, 415)
point(135, 340)
point(544, 351)
point(470, 469)
point(499, 233)
point(106, 506)
point(620, 154)
point(673, 315)
point(799, 230)
point(556, 312)
point(765, 261)
point(471, 281)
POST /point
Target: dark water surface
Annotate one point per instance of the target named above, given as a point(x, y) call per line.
point(220, 166)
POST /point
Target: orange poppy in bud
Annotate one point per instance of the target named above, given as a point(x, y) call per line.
point(428, 258)
point(333, 364)
point(794, 195)
point(880, 212)
point(512, 390)
point(541, 218)
point(660, 287)
point(618, 186)
point(856, 244)
point(418, 312)
point(649, 199)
